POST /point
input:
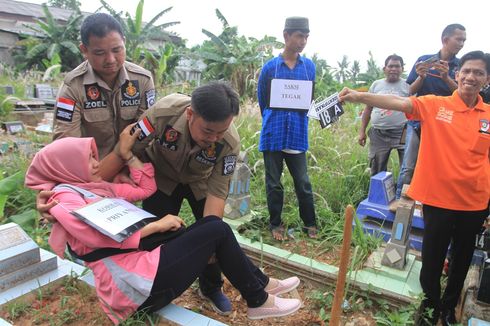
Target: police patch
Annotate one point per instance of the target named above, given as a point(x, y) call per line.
point(484, 126)
point(210, 154)
point(130, 93)
point(229, 163)
point(94, 97)
point(150, 97)
point(169, 138)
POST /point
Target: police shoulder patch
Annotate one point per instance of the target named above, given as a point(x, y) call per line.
point(150, 97)
point(229, 163)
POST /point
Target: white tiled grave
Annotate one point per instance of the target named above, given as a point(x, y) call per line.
point(25, 267)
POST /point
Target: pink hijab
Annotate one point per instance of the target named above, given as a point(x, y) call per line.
point(66, 160)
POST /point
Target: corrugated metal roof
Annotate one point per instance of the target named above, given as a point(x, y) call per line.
point(33, 10)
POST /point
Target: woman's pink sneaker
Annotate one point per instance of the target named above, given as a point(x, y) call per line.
point(285, 286)
point(282, 307)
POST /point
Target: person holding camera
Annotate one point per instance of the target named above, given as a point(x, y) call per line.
point(431, 74)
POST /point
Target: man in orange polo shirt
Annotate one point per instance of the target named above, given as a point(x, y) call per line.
point(452, 178)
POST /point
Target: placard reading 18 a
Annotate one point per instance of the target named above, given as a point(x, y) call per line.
point(327, 111)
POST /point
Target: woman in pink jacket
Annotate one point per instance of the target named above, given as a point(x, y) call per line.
point(130, 279)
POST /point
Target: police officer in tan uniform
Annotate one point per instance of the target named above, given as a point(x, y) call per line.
point(105, 93)
point(193, 146)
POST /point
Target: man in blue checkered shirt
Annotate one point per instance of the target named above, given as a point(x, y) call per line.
point(284, 134)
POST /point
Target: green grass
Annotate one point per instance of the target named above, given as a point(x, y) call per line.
point(337, 167)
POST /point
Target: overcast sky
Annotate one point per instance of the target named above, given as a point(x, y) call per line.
point(353, 27)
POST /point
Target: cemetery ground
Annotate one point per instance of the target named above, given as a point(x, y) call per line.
point(71, 301)
point(337, 169)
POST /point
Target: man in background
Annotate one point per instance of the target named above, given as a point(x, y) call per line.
point(431, 74)
point(284, 134)
point(386, 125)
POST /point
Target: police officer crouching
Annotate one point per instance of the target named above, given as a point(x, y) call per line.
point(193, 146)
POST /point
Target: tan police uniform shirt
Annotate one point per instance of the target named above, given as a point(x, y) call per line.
point(177, 160)
point(87, 107)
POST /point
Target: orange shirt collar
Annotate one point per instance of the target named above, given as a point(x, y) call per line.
point(461, 106)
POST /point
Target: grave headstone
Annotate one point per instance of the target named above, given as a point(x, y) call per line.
point(29, 91)
point(7, 89)
point(43, 91)
point(238, 201)
point(13, 127)
point(396, 251)
point(20, 257)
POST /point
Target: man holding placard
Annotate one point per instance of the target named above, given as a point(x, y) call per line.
point(285, 92)
point(451, 179)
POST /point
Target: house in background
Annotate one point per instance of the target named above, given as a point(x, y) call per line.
point(188, 70)
point(15, 15)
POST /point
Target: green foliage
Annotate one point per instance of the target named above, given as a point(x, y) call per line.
point(137, 32)
point(65, 4)
point(17, 308)
point(325, 83)
point(372, 73)
point(364, 244)
point(56, 39)
point(337, 170)
point(158, 63)
point(7, 187)
point(235, 58)
point(53, 67)
point(402, 316)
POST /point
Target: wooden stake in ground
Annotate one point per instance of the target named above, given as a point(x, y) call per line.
point(344, 262)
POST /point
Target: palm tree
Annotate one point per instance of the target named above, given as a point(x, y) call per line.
point(325, 83)
point(56, 39)
point(137, 32)
point(342, 72)
point(372, 73)
point(355, 69)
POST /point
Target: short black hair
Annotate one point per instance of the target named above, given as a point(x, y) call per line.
point(215, 101)
point(476, 55)
point(450, 29)
point(99, 24)
point(394, 57)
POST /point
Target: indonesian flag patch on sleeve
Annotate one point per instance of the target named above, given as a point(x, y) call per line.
point(146, 128)
point(65, 108)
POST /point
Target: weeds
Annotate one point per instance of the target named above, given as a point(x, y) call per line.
point(17, 309)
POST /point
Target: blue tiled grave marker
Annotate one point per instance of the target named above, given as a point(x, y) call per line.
point(376, 217)
point(238, 201)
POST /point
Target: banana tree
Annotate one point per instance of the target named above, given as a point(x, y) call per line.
point(136, 31)
point(55, 39)
point(158, 63)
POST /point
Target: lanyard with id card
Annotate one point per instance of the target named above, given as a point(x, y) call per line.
point(290, 94)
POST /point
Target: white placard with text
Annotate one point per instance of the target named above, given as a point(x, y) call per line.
point(291, 94)
point(114, 217)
